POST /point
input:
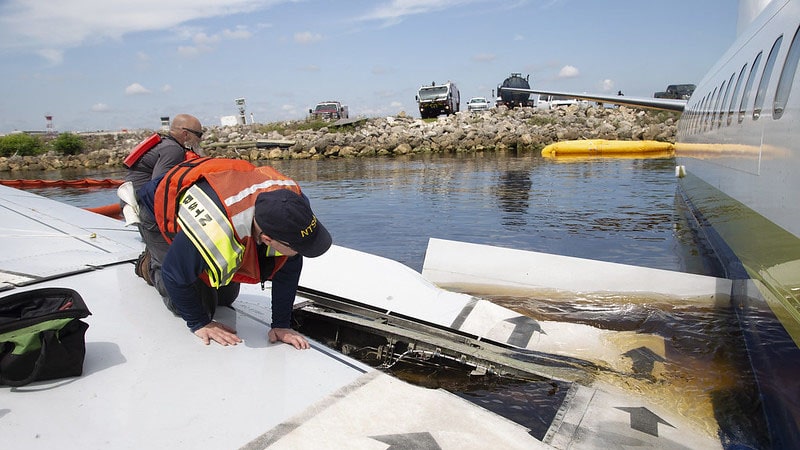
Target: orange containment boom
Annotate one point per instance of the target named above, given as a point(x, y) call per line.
point(83, 183)
point(113, 210)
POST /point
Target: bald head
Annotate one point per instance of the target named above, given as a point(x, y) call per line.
point(185, 129)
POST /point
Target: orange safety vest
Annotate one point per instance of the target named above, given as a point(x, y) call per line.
point(237, 183)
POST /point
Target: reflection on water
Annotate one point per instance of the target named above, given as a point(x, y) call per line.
point(613, 210)
point(513, 192)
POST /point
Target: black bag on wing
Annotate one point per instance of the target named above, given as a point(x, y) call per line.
point(41, 335)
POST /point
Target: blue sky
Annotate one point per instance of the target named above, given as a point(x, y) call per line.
point(122, 64)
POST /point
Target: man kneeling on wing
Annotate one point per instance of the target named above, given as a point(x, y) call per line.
point(228, 222)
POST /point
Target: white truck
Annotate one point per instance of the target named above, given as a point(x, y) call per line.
point(438, 99)
point(556, 101)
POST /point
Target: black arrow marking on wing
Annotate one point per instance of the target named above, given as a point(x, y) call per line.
point(643, 360)
point(419, 441)
point(644, 420)
point(524, 327)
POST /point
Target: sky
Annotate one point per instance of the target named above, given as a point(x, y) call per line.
point(100, 65)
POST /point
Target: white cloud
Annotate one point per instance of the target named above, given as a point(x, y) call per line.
point(519, 37)
point(204, 42)
point(136, 89)
point(307, 37)
point(310, 68)
point(607, 85)
point(53, 56)
point(189, 51)
point(204, 39)
point(484, 57)
point(568, 72)
point(47, 28)
point(166, 88)
point(142, 61)
point(396, 10)
point(100, 107)
point(240, 32)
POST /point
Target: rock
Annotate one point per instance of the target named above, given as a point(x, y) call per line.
point(499, 129)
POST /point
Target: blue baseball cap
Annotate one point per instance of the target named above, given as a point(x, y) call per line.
point(286, 216)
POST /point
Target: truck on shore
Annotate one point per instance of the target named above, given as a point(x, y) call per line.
point(514, 99)
point(437, 99)
point(677, 91)
point(329, 110)
point(557, 101)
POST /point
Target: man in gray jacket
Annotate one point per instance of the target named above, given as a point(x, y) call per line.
point(182, 143)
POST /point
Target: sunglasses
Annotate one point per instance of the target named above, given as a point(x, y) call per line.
point(199, 134)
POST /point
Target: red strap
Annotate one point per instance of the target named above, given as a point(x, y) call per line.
point(141, 149)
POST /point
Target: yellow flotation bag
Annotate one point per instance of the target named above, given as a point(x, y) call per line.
point(603, 147)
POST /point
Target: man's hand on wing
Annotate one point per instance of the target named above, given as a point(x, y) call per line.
point(219, 333)
point(288, 336)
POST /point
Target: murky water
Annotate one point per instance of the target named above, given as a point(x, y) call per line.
point(618, 210)
point(699, 369)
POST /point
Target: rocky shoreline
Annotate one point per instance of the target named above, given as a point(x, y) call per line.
point(520, 130)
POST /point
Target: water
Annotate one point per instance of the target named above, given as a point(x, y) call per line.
point(617, 210)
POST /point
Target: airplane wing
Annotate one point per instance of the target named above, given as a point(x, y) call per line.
point(639, 102)
point(149, 383)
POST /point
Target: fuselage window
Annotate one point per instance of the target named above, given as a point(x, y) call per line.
point(787, 77)
point(762, 85)
point(709, 110)
point(735, 95)
point(749, 86)
point(725, 100)
point(715, 115)
point(701, 113)
point(696, 114)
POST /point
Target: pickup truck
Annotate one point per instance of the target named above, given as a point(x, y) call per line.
point(677, 91)
point(329, 110)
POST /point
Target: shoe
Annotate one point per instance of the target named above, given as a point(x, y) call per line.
point(142, 267)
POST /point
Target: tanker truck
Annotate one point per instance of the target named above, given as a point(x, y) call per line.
point(438, 99)
point(514, 99)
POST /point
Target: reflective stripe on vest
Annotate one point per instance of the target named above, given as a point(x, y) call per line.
point(244, 219)
point(212, 234)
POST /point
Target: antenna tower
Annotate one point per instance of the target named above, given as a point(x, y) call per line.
point(242, 117)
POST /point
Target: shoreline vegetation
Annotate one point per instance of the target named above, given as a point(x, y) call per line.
point(519, 130)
